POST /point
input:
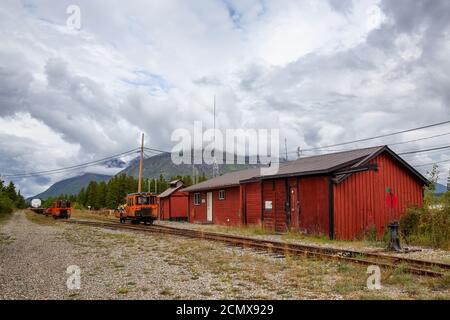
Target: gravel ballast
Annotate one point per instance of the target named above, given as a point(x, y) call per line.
point(36, 251)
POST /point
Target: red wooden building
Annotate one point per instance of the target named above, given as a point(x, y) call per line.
point(173, 203)
point(341, 195)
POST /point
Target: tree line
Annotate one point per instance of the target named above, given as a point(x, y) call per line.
point(10, 199)
point(111, 194)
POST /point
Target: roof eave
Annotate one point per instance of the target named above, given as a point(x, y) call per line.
point(303, 174)
point(396, 156)
point(210, 188)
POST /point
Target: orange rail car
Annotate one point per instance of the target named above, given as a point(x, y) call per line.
point(140, 207)
point(60, 209)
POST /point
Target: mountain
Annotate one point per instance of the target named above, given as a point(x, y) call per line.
point(440, 188)
point(162, 164)
point(71, 185)
point(115, 163)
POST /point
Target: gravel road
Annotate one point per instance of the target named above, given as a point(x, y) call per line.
point(36, 251)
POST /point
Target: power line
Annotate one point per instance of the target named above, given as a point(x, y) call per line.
point(424, 150)
point(156, 150)
point(431, 163)
point(64, 169)
point(377, 137)
point(419, 139)
point(389, 144)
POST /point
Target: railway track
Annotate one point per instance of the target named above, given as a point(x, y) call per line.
point(415, 266)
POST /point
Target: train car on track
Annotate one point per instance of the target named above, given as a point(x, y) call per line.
point(36, 206)
point(61, 209)
point(140, 207)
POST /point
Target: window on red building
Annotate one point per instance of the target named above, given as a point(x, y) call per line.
point(197, 200)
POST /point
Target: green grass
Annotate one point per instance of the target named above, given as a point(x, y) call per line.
point(6, 239)
point(166, 292)
point(40, 219)
point(122, 291)
point(4, 217)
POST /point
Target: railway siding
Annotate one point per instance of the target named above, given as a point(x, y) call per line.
point(416, 266)
point(119, 264)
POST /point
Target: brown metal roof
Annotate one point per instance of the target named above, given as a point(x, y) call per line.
point(226, 180)
point(324, 163)
point(320, 164)
point(169, 191)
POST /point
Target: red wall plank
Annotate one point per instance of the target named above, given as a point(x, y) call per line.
point(360, 200)
point(253, 203)
point(179, 204)
point(314, 205)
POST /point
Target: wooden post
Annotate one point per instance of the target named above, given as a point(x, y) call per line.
point(140, 165)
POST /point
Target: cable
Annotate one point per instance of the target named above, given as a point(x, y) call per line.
point(424, 150)
point(377, 137)
point(60, 170)
point(156, 150)
point(431, 163)
point(389, 144)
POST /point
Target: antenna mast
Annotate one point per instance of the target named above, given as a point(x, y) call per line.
point(140, 165)
point(448, 181)
point(285, 148)
point(215, 165)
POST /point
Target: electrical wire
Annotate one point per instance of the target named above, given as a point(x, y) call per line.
point(64, 169)
point(389, 144)
point(431, 163)
point(376, 137)
point(424, 150)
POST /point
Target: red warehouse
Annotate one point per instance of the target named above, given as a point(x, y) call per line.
point(341, 195)
point(173, 203)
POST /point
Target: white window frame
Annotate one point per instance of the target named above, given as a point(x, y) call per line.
point(197, 199)
point(223, 194)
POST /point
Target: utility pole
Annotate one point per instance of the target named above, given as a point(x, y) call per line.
point(299, 152)
point(140, 164)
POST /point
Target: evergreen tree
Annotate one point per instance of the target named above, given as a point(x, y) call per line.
point(102, 190)
point(202, 178)
point(11, 192)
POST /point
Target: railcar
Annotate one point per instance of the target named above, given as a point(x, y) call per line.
point(140, 207)
point(60, 209)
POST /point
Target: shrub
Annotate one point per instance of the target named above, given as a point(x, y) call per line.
point(409, 222)
point(6, 204)
point(371, 234)
point(428, 226)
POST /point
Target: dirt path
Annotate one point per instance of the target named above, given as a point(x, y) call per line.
point(33, 257)
point(35, 253)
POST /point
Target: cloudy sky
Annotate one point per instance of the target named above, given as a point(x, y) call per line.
point(322, 72)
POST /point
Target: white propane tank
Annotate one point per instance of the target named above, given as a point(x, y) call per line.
point(36, 203)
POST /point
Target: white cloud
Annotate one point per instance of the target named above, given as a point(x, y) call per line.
point(322, 72)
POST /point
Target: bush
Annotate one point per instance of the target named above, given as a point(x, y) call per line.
point(78, 206)
point(6, 204)
point(371, 234)
point(427, 226)
point(409, 222)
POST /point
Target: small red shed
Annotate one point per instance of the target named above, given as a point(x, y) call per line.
point(173, 203)
point(341, 194)
point(219, 200)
